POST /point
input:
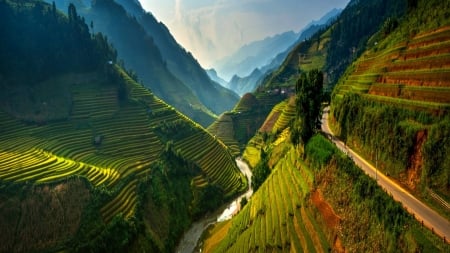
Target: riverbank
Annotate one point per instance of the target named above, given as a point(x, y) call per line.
point(191, 237)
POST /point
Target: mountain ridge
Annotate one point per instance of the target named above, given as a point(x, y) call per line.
point(92, 174)
point(252, 81)
point(157, 59)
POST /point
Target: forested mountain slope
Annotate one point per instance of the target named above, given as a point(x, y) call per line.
point(147, 48)
point(399, 93)
point(335, 47)
point(90, 160)
point(315, 199)
point(182, 63)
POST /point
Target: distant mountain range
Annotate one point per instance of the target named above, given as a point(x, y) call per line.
point(254, 55)
point(261, 57)
point(260, 53)
point(161, 64)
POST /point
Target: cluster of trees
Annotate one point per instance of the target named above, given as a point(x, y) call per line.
point(309, 97)
point(261, 171)
point(176, 129)
point(38, 41)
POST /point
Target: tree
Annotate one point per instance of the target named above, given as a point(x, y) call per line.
point(260, 172)
point(309, 96)
point(54, 9)
point(72, 11)
point(412, 4)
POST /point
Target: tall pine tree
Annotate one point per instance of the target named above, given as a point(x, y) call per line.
point(309, 94)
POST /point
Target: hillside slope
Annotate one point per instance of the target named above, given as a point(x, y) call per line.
point(148, 48)
point(332, 49)
point(119, 169)
point(249, 83)
point(402, 82)
point(319, 203)
point(185, 67)
point(341, 35)
point(246, 117)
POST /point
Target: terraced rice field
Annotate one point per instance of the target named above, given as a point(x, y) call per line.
point(276, 219)
point(273, 117)
point(286, 116)
point(252, 152)
point(415, 73)
point(106, 141)
point(223, 129)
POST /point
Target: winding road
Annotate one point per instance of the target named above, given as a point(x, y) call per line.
point(421, 212)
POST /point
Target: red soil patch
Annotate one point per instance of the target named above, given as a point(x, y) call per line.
point(331, 219)
point(435, 31)
point(270, 122)
point(414, 170)
point(337, 245)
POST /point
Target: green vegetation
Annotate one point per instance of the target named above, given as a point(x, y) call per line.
point(391, 104)
point(223, 129)
point(394, 135)
point(260, 172)
point(370, 219)
point(308, 101)
point(69, 39)
point(246, 117)
point(146, 46)
point(350, 34)
point(323, 203)
point(393, 99)
point(274, 220)
point(133, 170)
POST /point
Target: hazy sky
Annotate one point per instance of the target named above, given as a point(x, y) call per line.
point(213, 29)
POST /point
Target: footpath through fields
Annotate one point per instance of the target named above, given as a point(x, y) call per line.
point(421, 212)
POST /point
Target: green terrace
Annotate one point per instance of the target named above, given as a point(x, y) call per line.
point(223, 129)
point(107, 141)
point(277, 219)
point(286, 116)
point(414, 73)
point(273, 117)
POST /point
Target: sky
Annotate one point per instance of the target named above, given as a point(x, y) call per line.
point(214, 29)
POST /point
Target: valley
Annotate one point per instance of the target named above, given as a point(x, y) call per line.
point(113, 138)
point(190, 240)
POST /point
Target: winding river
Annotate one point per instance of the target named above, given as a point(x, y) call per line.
point(191, 237)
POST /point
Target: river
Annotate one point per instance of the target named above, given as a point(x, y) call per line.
point(191, 237)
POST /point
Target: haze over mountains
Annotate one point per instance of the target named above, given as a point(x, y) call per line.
point(148, 49)
point(262, 57)
point(260, 53)
point(212, 29)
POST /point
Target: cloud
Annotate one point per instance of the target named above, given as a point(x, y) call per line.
point(213, 29)
point(178, 9)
